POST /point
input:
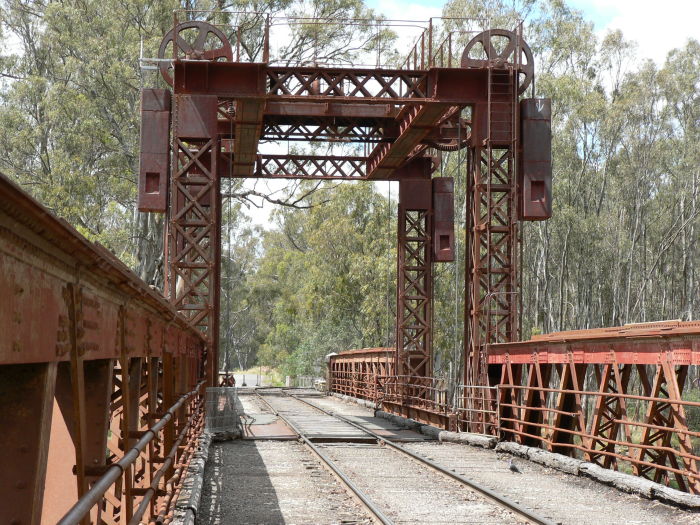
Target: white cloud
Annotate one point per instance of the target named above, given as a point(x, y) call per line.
point(398, 10)
point(656, 27)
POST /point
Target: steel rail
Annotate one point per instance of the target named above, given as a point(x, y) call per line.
point(373, 509)
point(78, 511)
point(484, 491)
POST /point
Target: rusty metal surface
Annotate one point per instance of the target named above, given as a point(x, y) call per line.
point(193, 241)
point(81, 330)
point(675, 341)
point(95, 315)
point(414, 270)
point(492, 228)
point(646, 433)
point(535, 177)
point(443, 220)
point(579, 401)
point(316, 167)
point(154, 166)
point(41, 256)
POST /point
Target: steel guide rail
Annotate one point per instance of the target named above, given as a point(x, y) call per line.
point(484, 491)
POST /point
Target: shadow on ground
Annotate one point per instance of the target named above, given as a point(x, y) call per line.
point(237, 487)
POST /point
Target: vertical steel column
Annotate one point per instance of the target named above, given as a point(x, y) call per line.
point(492, 240)
point(193, 246)
point(414, 272)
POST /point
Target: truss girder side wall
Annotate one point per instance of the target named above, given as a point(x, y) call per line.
point(84, 345)
point(193, 245)
point(414, 270)
point(668, 382)
point(610, 396)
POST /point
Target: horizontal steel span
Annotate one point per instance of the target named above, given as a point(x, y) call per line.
point(43, 260)
point(612, 396)
point(645, 344)
point(91, 358)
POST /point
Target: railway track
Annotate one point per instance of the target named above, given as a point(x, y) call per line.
point(383, 462)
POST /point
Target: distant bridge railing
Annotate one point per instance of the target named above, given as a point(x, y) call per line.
point(612, 396)
point(99, 378)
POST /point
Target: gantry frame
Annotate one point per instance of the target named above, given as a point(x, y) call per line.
point(222, 110)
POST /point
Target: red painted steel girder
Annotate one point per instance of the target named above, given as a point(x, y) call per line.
point(305, 122)
point(238, 80)
point(248, 93)
point(301, 167)
point(650, 344)
point(369, 352)
point(87, 353)
point(40, 255)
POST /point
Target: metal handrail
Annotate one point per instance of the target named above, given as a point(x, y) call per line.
point(91, 498)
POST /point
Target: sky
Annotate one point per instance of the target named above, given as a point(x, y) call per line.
point(656, 26)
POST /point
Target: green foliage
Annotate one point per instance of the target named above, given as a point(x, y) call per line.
point(692, 414)
point(324, 278)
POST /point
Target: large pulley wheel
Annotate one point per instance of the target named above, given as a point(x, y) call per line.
point(485, 50)
point(209, 43)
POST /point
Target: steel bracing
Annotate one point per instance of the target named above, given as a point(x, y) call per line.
point(125, 367)
point(572, 393)
point(611, 397)
point(401, 118)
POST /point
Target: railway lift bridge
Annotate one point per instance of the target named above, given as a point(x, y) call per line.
point(90, 353)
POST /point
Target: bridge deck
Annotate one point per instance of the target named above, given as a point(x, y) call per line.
point(265, 481)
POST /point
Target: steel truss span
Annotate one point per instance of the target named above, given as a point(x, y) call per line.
point(610, 396)
point(91, 360)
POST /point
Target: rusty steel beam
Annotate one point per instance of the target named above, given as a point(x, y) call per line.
point(26, 402)
point(193, 227)
point(248, 125)
point(316, 167)
point(655, 442)
point(311, 167)
point(279, 111)
point(74, 312)
point(32, 242)
point(546, 404)
point(414, 270)
point(635, 344)
point(329, 130)
point(415, 123)
point(492, 229)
